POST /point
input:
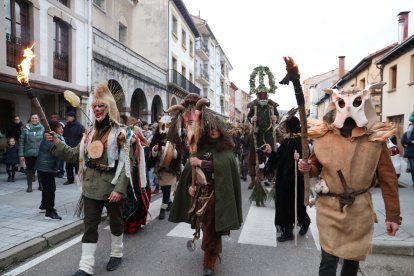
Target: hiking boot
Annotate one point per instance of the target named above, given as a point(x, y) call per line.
point(52, 216)
point(81, 273)
point(113, 263)
point(287, 234)
point(9, 179)
point(68, 182)
point(13, 179)
point(22, 170)
point(162, 214)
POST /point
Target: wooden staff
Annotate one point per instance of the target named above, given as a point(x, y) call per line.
point(294, 77)
point(296, 201)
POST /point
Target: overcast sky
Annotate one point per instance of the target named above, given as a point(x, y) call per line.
point(313, 32)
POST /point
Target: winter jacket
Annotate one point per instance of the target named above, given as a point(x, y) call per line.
point(46, 162)
point(30, 139)
point(72, 133)
point(406, 142)
point(11, 155)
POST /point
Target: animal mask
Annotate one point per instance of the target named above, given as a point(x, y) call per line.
point(164, 123)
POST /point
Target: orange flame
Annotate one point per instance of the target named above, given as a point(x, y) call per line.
point(23, 69)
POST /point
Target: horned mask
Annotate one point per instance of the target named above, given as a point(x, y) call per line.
point(164, 124)
point(354, 103)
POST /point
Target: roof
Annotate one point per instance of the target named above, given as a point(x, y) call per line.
point(398, 51)
point(187, 17)
point(363, 64)
point(233, 86)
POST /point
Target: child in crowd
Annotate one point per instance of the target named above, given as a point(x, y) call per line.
point(11, 158)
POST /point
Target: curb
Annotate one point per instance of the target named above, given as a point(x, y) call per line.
point(31, 247)
point(404, 248)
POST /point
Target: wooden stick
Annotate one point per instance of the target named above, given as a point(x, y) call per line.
point(296, 202)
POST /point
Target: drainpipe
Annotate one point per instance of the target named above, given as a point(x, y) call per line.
point(89, 55)
point(168, 54)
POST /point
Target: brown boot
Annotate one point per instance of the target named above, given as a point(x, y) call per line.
point(252, 181)
point(209, 262)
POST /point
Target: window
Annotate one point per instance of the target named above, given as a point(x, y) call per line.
point(184, 39)
point(362, 83)
point(412, 68)
point(99, 3)
point(60, 50)
point(393, 77)
point(174, 63)
point(17, 30)
point(174, 26)
point(191, 48)
point(190, 77)
point(122, 33)
point(64, 2)
point(183, 71)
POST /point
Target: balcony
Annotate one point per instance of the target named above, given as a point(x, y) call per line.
point(15, 47)
point(202, 50)
point(202, 77)
point(61, 66)
point(182, 82)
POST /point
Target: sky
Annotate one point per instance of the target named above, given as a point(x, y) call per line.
point(313, 32)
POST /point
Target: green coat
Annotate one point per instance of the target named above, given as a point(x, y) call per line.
point(264, 133)
point(228, 212)
point(95, 184)
point(29, 141)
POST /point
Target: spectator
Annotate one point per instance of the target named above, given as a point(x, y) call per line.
point(55, 117)
point(11, 158)
point(407, 140)
point(146, 131)
point(72, 133)
point(29, 143)
point(14, 129)
point(47, 165)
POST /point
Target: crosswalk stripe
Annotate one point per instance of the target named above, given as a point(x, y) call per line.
point(183, 230)
point(258, 229)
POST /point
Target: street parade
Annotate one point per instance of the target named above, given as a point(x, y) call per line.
point(165, 163)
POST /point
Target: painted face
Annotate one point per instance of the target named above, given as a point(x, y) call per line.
point(350, 104)
point(100, 110)
point(214, 133)
point(34, 119)
point(164, 123)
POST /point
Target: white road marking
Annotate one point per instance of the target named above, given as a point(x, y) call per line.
point(258, 229)
point(183, 230)
point(313, 227)
point(43, 257)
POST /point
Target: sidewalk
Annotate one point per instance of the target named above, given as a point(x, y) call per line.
point(24, 231)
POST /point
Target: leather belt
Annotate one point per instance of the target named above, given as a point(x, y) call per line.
point(100, 167)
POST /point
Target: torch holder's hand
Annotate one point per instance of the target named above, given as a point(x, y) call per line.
point(292, 71)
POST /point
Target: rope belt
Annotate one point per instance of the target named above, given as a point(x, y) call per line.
point(100, 167)
point(347, 197)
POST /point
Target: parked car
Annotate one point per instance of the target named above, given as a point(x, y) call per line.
point(395, 154)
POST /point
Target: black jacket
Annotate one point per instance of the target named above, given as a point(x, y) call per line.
point(72, 133)
point(406, 142)
point(14, 130)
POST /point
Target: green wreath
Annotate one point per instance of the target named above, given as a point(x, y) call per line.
point(262, 71)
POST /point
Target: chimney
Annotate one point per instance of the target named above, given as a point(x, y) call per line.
point(402, 26)
point(341, 66)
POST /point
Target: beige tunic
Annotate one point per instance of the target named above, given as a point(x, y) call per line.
point(347, 234)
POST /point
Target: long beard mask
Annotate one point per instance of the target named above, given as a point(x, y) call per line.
point(354, 103)
point(100, 110)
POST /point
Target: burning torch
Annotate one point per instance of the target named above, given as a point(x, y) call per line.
point(23, 70)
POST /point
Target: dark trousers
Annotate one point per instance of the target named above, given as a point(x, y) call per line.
point(69, 171)
point(93, 212)
point(329, 264)
point(166, 194)
point(49, 188)
point(10, 169)
point(411, 160)
point(61, 167)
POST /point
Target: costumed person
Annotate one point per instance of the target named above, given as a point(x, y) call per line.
point(283, 162)
point(208, 195)
point(245, 142)
point(349, 152)
point(138, 197)
point(104, 173)
point(166, 161)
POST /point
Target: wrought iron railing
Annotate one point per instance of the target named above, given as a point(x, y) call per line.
point(183, 82)
point(61, 66)
point(14, 49)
